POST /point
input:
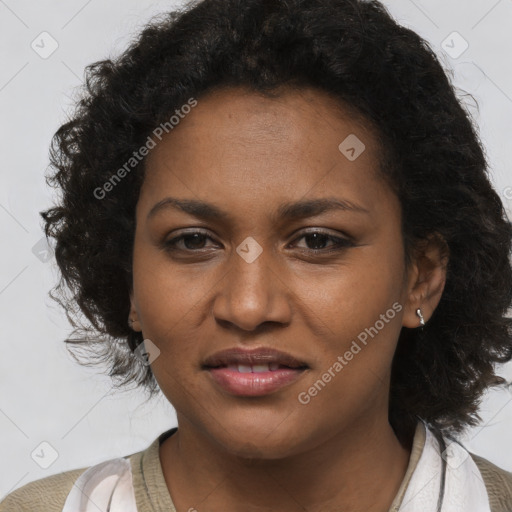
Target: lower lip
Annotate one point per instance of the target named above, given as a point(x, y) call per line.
point(253, 384)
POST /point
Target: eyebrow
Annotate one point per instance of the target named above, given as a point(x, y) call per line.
point(291, 211)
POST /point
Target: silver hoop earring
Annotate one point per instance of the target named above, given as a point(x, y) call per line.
point(422, 320)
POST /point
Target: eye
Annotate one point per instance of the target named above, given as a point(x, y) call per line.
point(195, 241)
point(319, 240)
point(192, 241)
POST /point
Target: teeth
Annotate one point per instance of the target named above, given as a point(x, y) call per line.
point(255, 368)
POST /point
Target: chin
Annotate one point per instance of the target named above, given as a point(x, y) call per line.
point(259, 443)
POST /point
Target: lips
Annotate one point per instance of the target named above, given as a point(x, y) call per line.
point(256, 372)
point(258, 359)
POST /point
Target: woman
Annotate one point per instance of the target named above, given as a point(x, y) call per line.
point(279, 214)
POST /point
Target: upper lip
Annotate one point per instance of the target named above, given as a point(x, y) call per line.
point(261, 355)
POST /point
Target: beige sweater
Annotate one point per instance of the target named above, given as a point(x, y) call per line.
point(152, 495)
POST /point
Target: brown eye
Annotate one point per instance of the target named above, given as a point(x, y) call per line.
point(318, 241)
point(192, 241)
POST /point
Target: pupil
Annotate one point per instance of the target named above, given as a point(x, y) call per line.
point(196, 238)
point(316, 238)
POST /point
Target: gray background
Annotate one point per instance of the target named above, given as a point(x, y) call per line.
point(45, 396)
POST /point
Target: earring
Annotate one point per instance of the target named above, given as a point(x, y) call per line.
point(422, 320)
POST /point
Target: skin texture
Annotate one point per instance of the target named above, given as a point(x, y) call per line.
point(247, 155)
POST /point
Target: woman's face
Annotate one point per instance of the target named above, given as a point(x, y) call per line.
point(253, 279)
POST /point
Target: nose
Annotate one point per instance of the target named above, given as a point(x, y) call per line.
point(251, 294)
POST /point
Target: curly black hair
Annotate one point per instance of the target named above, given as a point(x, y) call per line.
point(430, 152)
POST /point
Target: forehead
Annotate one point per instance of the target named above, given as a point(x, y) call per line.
point(288, 115)
point(241, 145)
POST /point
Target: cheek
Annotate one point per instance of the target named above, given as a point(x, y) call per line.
point(354, 295)
point(377, 282)
point(359, 307)
point(169, 301)
point(164, 295)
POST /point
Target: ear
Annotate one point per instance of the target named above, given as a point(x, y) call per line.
point(133, 316)
point(426, 279)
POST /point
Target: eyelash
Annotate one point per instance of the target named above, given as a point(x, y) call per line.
point(340, 243)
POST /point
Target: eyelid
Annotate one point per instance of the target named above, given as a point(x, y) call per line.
point(323, 231)
point(340, 241)
point(181, 234)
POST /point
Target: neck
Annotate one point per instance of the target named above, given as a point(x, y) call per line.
point(357, 469)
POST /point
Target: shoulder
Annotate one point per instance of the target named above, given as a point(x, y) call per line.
point(48, 494)
point(498, 483)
